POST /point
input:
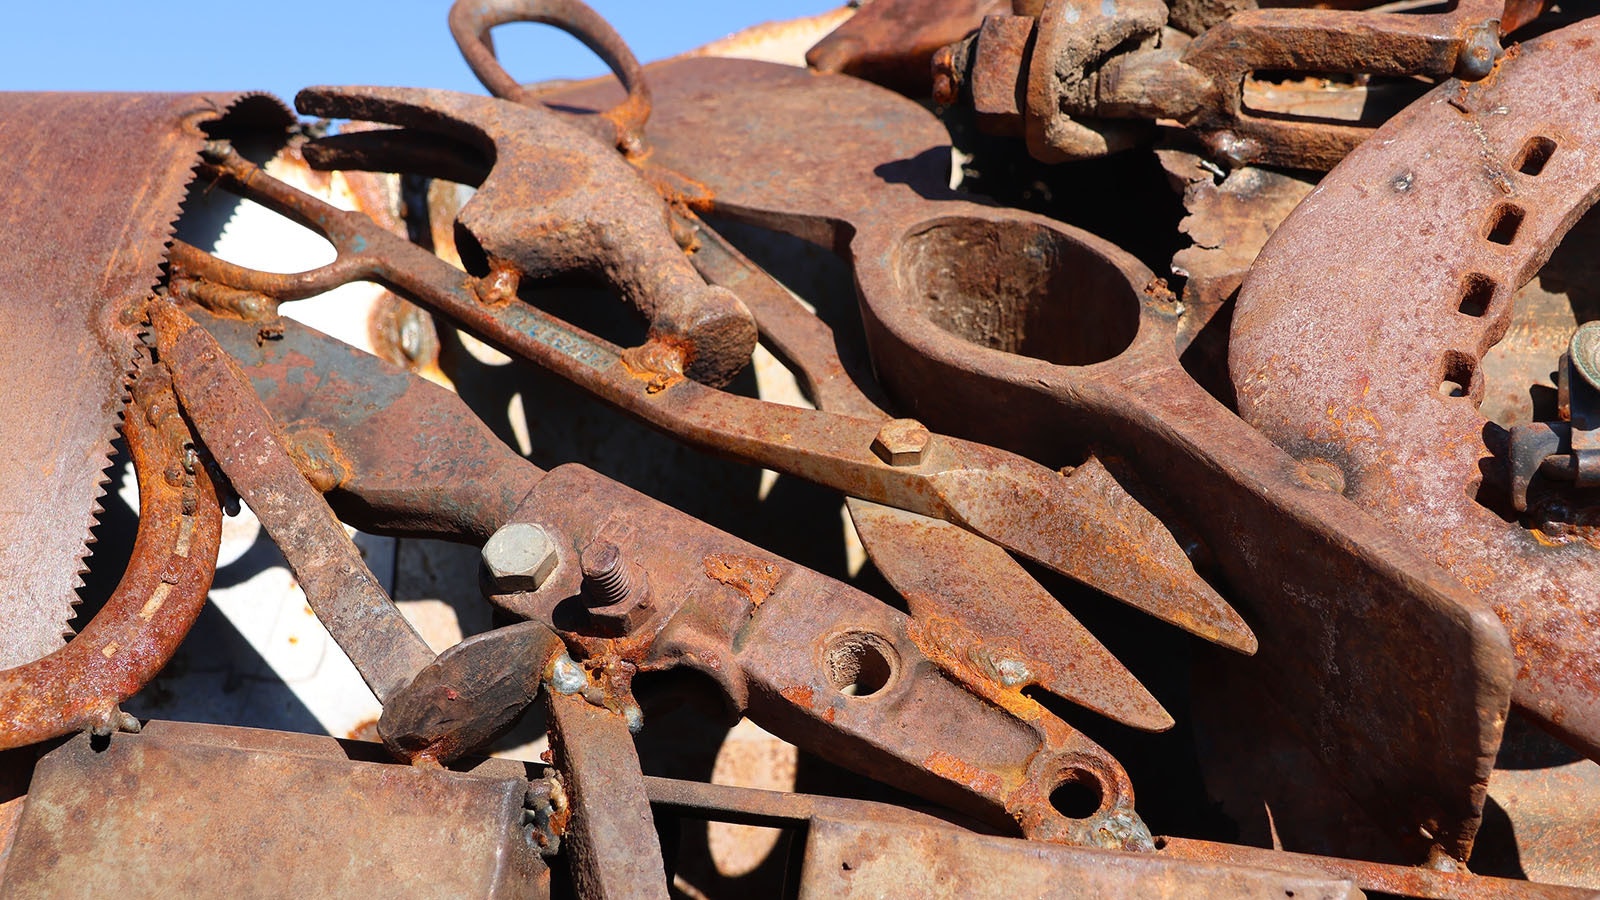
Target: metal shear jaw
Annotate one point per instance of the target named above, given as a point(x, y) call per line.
point(811, 660)
point(1048, 341)
point(1059, 521)
point(809, 657)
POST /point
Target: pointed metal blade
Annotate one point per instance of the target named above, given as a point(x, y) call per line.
point(946, 572)
point(1086, 526)
point(93, 185)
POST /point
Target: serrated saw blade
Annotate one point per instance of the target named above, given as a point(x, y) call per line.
point(90, 185)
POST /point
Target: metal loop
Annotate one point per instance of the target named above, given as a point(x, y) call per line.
point(471, 21)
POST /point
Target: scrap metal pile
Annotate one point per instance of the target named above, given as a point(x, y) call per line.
point(1266, 487)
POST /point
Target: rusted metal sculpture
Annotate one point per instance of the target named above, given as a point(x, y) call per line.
point(959, 296)
point(1382, 530)
point(1082, 79)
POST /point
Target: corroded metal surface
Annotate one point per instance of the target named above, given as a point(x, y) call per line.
point(470, 694)
point(1259, 86)
point(612, 839)
point(827, 667)
point(785, 642)
point(240, 435)
point(1427, 199)
point(157, 598)
point(270, 814)
point(1403, 881)
point(1082, 525)
point(879, 860)
point(957, 303)
point(527, 221)
point(893, 42)
point(1020, 422)
point(87, 211)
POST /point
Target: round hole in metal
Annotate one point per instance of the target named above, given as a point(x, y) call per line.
point(859, 663)
point(1020, 286)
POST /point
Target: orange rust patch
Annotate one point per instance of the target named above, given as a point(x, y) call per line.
point(962, 772)
point(657, 362)
point(316, 455)
point(952, 647)
point(800, 695)
point(755, 578)
point(498, 288)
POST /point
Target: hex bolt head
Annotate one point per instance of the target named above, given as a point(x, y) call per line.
point(901, 442)
point(519, 557)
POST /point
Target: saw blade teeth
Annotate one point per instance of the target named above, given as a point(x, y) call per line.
point(100, 391)
point(150, 180)
point(130, 367)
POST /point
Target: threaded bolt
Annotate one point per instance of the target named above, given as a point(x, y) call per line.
point(605, 578)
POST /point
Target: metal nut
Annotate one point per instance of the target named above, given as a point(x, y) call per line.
point(519, 557)
point(901, 442)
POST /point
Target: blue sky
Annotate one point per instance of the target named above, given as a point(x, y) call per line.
point(285, 45)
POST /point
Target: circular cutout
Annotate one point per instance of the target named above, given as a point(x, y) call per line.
point(1078, 796)
point(860, 663)
point(1021, 287)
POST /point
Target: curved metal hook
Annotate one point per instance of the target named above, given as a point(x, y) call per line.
point(471, 21)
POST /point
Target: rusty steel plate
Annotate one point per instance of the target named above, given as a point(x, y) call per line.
point(209, 811)
point(93, 185)
point(884, 859)
point(1372, 370)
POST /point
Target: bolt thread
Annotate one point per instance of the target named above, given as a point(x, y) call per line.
point(605, 575)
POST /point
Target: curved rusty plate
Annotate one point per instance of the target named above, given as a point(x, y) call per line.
point(93, 183)
point(1360, 335)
